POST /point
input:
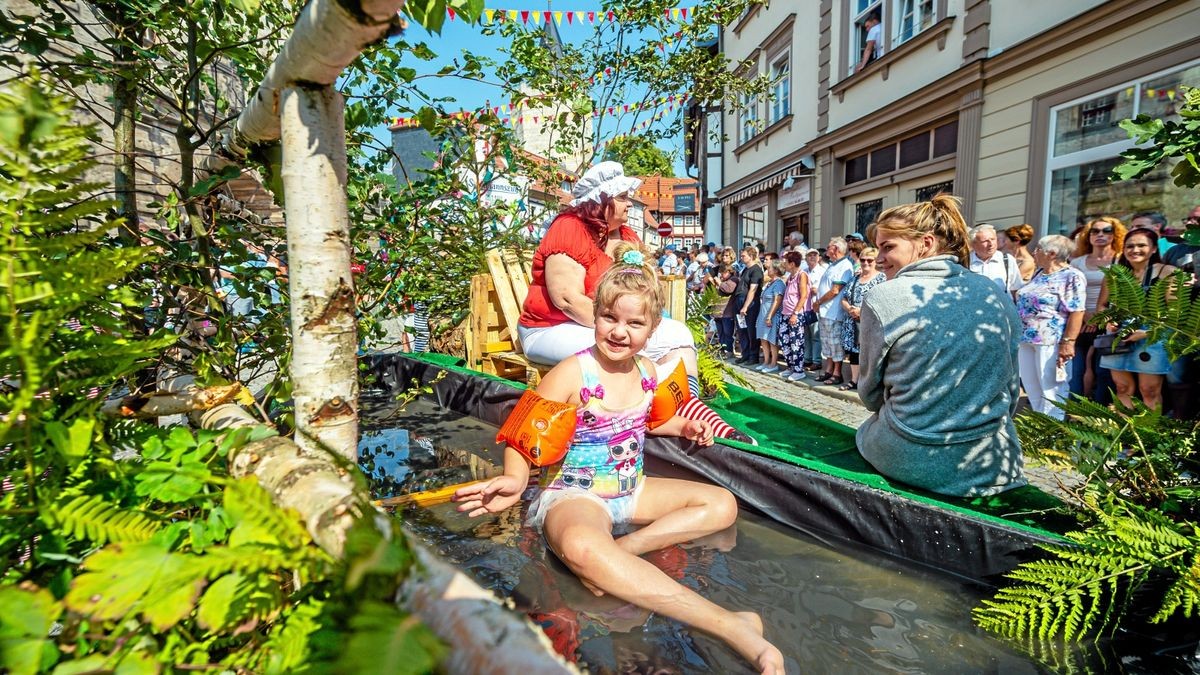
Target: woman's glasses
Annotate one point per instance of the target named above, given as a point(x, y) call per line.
point(866, 260)
point(1103, 230)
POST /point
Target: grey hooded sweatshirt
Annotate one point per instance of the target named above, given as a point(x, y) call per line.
point(939, 370)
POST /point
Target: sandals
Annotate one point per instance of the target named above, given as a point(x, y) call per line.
point(831, 381)
point(848, 386)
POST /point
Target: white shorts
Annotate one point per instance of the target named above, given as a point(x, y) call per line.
point(620, 510)
point(553, 344)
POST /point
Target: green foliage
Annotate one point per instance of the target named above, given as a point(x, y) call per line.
point(129, 547)
point(712, 370)
point(1163, 140)
point(1087, 586)
point(1167, 313)
point(640, 156)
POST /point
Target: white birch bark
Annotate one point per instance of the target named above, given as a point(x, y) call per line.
point(324, 337)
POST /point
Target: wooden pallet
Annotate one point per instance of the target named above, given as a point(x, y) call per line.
point(493, 345)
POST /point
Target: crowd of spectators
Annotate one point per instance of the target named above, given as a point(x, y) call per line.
point(795, 312)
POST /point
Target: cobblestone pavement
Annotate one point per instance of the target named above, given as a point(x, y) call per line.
point(846, 408)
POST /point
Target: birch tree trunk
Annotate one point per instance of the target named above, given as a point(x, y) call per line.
point(324, 340)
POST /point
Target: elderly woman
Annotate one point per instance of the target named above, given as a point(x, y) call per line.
point(558, 317)
point(1095, 249)
point(1144, 366)
point(938, 362)
point(868, 277)
point(1051, 308)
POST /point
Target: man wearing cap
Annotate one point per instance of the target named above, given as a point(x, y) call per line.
point(558, 317)
point(670, 262)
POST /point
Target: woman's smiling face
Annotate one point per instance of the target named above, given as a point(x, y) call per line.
point(1138, 248)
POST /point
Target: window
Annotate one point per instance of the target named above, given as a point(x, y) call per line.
point(865, 214)
point(752, 224)
point(911, 17)
point(928, 192)
point(1085, 144)
point(749, 118)
point(781, 89)
point(861, 10)
point(911, 151)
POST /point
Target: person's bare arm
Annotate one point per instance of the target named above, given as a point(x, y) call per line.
point(564, 282)
point(866, 54)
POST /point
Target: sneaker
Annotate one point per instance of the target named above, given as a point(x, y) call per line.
point(794, 377)
point(770, 370)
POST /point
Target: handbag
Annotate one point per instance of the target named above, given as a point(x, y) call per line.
point(809, 317)
point(1109, 345)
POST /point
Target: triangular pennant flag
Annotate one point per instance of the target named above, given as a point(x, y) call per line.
point(591, 17)
point(450, 11)
point(524, 16)
point(675, 13)
point(558, 18)
point(548, 17)
point(610, 111)
point(490, 14)
point(612, 16)
point(683, 12)
point(513, 14)
point(608, 72)
point(570, 15)
point(667, 13)
point(579, 16)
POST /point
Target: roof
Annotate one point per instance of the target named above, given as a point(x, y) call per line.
point(658, 193)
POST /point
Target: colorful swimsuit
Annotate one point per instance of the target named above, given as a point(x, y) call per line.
point(604, 461)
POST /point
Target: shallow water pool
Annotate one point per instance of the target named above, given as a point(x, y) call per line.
point(827, 609)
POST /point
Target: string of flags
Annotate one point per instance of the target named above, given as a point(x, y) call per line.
point(571, 17)
point(506, 113)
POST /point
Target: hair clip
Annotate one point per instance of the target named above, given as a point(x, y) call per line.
point(633, 258)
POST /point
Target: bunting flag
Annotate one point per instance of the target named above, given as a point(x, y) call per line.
point(509, 113)
point(490, 15)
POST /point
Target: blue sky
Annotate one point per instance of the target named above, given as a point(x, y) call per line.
point(458, 36)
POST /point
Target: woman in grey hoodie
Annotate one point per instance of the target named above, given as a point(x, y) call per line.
point(939, 359)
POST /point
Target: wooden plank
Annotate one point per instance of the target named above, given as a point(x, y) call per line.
point(516, 274)
point(478, 321)
point(499, 346)
point(504, 288)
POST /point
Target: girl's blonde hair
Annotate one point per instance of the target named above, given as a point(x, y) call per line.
point(939, 216)
point(630, 278)
point(1083, 241)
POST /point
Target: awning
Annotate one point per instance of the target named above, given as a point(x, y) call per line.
point(772, 181)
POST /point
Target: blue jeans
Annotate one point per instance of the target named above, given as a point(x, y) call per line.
point(725, 326)
point(812, 344)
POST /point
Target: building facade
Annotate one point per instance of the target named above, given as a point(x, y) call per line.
point(1012, 106)
point(675, 201)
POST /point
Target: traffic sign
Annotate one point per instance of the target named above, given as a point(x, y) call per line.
point(664, 230)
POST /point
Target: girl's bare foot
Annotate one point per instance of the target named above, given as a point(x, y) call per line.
point(753, 647)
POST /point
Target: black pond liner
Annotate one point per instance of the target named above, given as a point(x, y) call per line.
point(963, 538)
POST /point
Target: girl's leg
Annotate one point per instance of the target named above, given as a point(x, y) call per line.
point(676, 511)
point(1125, 386)
point(578, 532)
point(1150, 387)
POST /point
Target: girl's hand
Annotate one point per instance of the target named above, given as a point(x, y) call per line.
point(489, 496)
point(699, 431)
point(1111, 327)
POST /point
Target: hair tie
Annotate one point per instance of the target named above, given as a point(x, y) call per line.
point(633, 258)
point(630, 270)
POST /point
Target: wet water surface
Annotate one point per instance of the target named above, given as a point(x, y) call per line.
point(828, 610)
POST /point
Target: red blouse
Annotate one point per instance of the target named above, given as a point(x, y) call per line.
point(570, 236)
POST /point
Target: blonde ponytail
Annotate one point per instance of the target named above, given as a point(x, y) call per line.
point(939, 216)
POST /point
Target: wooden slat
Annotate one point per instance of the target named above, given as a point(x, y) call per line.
point(479, 319)
point(504, 288)
point(517, 274)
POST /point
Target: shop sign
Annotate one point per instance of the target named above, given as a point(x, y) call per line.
point(798, 194)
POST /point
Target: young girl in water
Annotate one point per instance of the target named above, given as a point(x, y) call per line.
point(599, 485)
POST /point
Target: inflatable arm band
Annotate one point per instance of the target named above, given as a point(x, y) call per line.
point(670, 395)
point(539, 429)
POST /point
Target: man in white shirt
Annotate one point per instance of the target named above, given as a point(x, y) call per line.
point(670, 263)
point(829, 309)
point(696, 272)
point(873, 45)
point(1000, 267)
point(815, 269)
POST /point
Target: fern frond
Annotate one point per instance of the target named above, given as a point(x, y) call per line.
point(94, 520)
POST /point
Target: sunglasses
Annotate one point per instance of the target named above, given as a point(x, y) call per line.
point(863, 260)
point(1103, 230)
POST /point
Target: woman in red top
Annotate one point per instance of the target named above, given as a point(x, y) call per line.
point(558, 319)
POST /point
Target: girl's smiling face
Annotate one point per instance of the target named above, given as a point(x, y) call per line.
point(623, 329)
point(1138, 248)
point(895, 252)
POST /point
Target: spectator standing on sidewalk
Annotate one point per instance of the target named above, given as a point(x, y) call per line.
point(994, 264)
point(768, 316)
point(1095, 249)
point(1018, 238)
point(829, 309)
point(852, 299)
point(747, 303)
point(795, 315)
point(815, 268)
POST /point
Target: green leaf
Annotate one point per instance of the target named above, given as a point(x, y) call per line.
point(145, 576)
point(91, 518)
point(72, 442)
point(385, 640)
point(26, 617)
